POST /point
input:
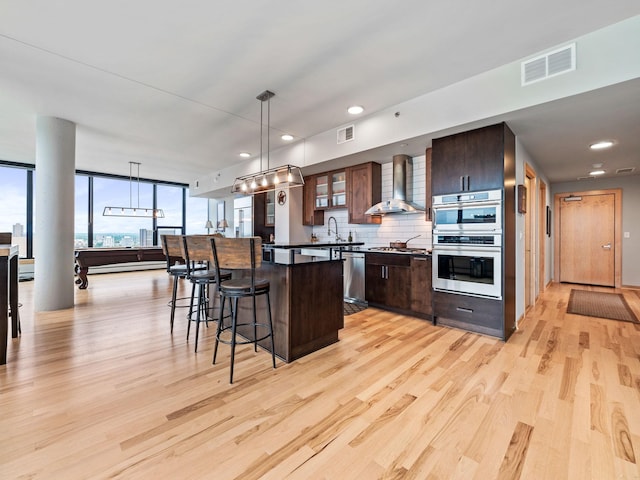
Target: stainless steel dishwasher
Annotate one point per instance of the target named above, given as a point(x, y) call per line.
point(353, 276)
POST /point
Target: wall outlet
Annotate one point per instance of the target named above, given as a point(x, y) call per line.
point(627, 235)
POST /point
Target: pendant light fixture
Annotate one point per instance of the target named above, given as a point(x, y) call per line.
point(284, 176)
point(132, 211)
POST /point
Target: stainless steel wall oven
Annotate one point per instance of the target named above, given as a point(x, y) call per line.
point(467, 244)
point(465, 212)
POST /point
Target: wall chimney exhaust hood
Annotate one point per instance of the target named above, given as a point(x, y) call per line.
point(402, 190)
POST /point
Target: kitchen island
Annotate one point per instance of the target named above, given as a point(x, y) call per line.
point(306, 298)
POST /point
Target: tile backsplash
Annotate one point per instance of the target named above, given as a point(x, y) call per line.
point(394, 227)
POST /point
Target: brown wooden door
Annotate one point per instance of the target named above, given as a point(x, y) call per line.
point(587, 241)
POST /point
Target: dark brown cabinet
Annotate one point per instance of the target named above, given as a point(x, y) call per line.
point(311, 215)
point(481, 159)
point(421, 285)
point(428, 194)
point(469, 161)
point(480, 315)
point(364, 185)
point(263, 223)
point(355, 188)
point(387, 279)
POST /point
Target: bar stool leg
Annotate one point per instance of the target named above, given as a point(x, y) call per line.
point(220, 326)
point(234, 319)
point(255, 325)
point(173, 300)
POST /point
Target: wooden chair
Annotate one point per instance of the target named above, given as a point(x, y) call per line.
point(196, 250)
point(244, 254)
point(176, 267)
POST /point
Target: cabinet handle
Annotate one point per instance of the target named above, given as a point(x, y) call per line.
point(462, 183)
point(465, 310)
point(418, 259)
point(468, 183)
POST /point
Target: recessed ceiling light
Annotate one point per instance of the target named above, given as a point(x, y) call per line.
point(286, 137)
point(245, 154)
point(596, 172)
point(355, 110)
point(601, 145)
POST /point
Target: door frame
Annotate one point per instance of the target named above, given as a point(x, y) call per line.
point(542, 235)
point(531, 219)
point(617, 230)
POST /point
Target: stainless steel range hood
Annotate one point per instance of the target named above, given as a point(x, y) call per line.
point(402, 190)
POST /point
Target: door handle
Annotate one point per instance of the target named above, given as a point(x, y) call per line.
point(607, 246)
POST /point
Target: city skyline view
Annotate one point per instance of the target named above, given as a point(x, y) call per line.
point(107, 192)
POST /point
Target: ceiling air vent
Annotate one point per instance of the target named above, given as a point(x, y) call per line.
point(625, 170)
point(345, 134)
point(549, 65)
point(588, 177)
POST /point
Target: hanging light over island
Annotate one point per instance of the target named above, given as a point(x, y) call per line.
point(284, 176)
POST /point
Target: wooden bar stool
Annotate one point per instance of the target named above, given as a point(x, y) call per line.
point(241, 254)
point(176, 267)
point(196, 250)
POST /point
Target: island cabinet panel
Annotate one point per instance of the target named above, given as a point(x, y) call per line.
point(469, 161)
point(306, 307)
point(388, 280)
point(364, 187)
point(421, 285)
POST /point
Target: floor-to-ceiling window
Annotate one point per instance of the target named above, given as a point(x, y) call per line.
point(13, 205)
point(115, 231)
point(94, 192)
point(81, 223)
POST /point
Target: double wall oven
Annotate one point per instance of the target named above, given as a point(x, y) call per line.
point(467, 243)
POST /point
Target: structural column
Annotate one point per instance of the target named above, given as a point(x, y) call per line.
point(54, 213)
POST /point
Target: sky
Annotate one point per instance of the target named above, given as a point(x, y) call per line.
point(107, 192)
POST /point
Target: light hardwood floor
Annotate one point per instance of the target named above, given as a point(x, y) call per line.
point(103, 390)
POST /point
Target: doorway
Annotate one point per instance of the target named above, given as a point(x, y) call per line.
point(587, 238)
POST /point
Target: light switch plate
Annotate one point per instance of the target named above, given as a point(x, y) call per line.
point(627, 235)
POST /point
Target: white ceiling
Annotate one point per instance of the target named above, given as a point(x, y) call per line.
point(173, 84)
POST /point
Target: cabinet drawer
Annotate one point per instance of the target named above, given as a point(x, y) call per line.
point(480, 315)
point(388, 259)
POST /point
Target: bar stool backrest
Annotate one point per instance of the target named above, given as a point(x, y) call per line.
point(5, 238)
point(196, 249)
point(237, 253)
point(172, 248)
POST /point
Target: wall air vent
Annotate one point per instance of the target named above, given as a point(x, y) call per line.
point(548, 65)
point(346, 134)
point(625, 170)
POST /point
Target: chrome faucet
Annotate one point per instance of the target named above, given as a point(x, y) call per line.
point(335, 222)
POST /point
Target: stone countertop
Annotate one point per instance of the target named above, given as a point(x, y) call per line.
point(312, 245)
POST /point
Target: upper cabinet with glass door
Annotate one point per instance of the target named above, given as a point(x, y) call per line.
point(330, 190)
point(338, 189)
point(270, 209)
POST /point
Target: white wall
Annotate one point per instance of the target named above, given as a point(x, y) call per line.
point(522, 158)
